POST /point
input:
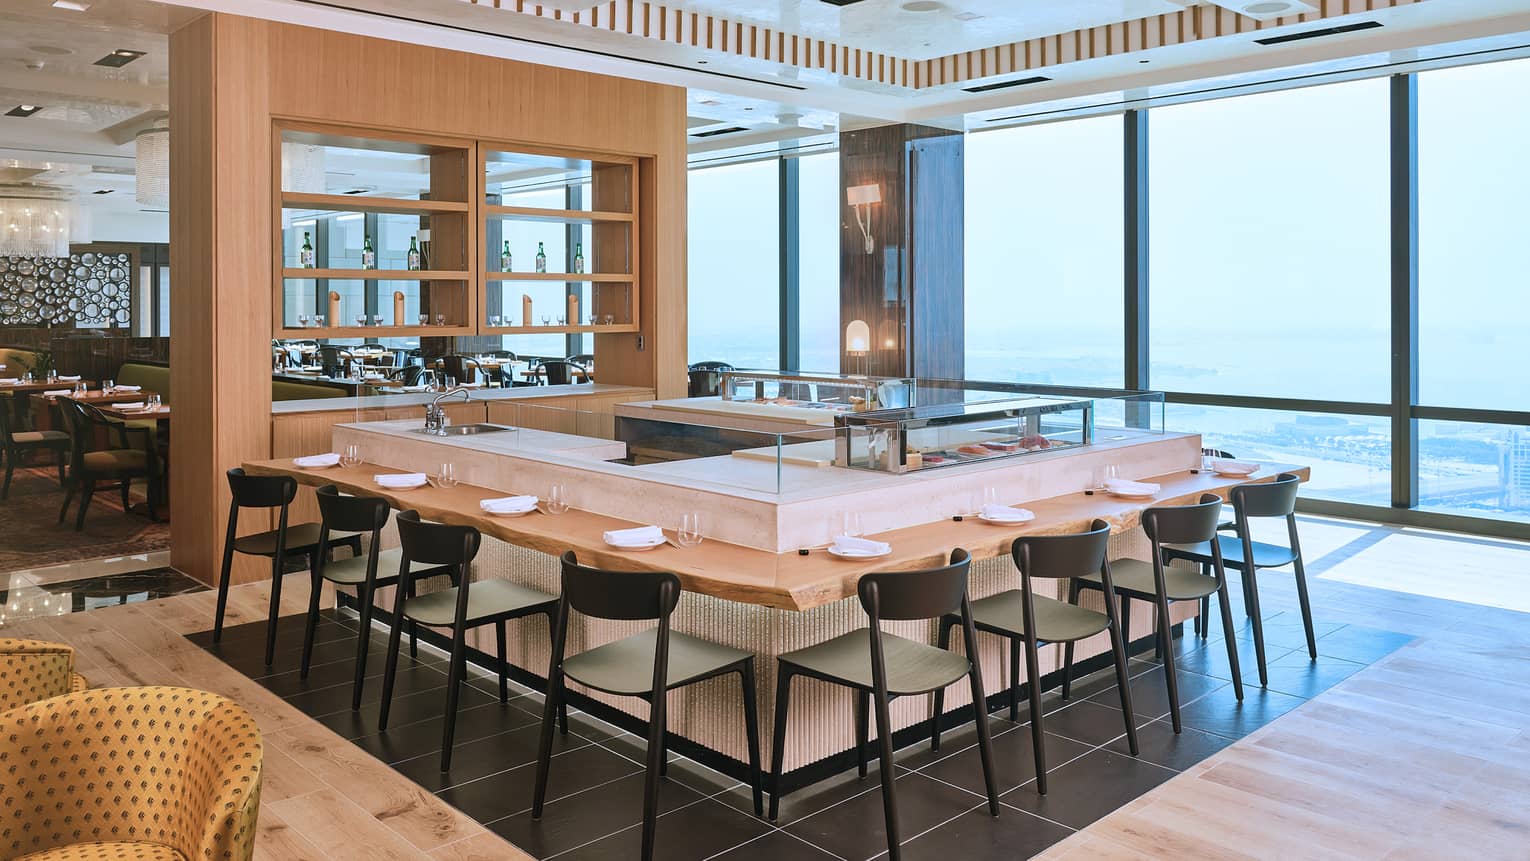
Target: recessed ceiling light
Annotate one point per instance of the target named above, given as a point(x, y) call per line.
point(50, 50)
point(23, 110)
point(103, 191)
point(1144, 61)
point(1265, 8)
point(967, 16)
point(120, 57)
point(71, 5)
point(922, 6)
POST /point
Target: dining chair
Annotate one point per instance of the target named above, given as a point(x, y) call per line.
point(879, 666)
point(16, 444)
point(558, 372)
point(132, 454)
point(645, 665)
point(426, 548)
point(1029, 620)
point(463, 368)
point(1154, 581)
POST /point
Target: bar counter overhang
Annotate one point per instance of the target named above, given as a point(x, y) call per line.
point(747, 585)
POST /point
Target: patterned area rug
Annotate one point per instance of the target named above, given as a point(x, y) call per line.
point(31, 536)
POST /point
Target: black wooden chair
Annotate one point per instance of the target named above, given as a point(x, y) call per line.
point(644, 665)
point(705, 378)
point(558, 372)
point(266, 492)
point(131, 454)
point(880, 666)
point(464, 369)
point(1030, 620)
point(425, 549)
point(1156, 582)
point(16, 444)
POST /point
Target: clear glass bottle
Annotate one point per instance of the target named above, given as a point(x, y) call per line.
point(504, 258)
point(541, 258)
point(579, 257)
point(368, 253)
point(305, 254)
point(414, 255)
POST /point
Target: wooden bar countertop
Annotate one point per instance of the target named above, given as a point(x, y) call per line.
point(789, 580)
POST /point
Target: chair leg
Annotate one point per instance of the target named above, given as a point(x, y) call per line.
point(752, 730)
point(1232, 642)
point(223, 577)
point(275, 610)
point(1014, 680)
point(651, 776)
point(985, 743)
point(504, 681)
point(1204, 617)
point(68, 498)
point(778, 739)
point(10, 466)
point(552, 621)
point(453, 689)
point(311, 623)
point(59, 456)
point(1301, 593)
point(1251, 598)
point(544, 746)
point(389, 669)
point(1170, 678)
point(126, 484)
point(943, 639)
point(1126, 623)
point(889, 797)
point(1067, 685)
point(414, 627)
point(1038, 734)
point(87, 490)
point(1123, 682)
point(364, 598)
point(862, 730)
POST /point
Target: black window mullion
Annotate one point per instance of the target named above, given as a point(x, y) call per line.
point(789, 200)
point(1404, 289)
point(1134, 308)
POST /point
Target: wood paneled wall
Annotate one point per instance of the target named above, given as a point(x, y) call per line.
point(232, 78)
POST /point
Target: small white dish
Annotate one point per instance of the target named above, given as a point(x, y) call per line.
point(402, 482)
point(1234, 468)
point(645, 545)
point(317, 461)
point(1008, 521)
point(857, 554)
point(1132, 495)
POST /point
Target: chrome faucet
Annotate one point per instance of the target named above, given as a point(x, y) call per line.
point(435, 416)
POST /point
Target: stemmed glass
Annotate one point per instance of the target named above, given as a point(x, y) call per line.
point(318, 320)
point(546, 319)
point(557, 499)
point(377, 320)
point(494, 320)
point(424, 319)
point(302, 321)
point(108, 386)
point(561, 319)
point(690, 529)
point(152, 402)
point(351, 456)
point(440, 319)
point(361, 319)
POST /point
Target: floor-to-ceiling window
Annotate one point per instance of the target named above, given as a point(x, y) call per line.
point(734, 266)
point(818, 232)
point(1474, 294)
point(1044, 253)
point(1269, 275)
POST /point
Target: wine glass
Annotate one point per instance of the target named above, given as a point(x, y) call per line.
point(1104, 474)
point(152, 401)
point(361, 319)
point(302, 321)
point(988, 496)
point(546, 319)
point(440, 319)
point(561, 319)
point(447, 477)
point(557, 499)
point(377, 320)
point(108, 386)
point(351, 456)
point(494, 320)
point(608, 319)
point(80, 388)
point(318, 320)
point(424, 319)
point(850, 524)
point(690, 529)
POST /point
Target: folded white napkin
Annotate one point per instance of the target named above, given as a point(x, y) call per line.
point(374, 377)
point(471, 385)
point(403, 479)
point(994, 511)
point(1131, 488)
point(416, 388)
point(508, 504)
point(121, 388)
point(131, 405)
point(10, 381)
point(860, 546)
point(1237, 467)
point(634, 536)
point(313, 460)
point(53, 393)
point(66, 378)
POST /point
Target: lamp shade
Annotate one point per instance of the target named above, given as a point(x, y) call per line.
point(857, 337)
point(36, 221)
point(153, 168)
point(861, 195)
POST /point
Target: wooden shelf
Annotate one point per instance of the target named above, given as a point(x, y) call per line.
point(559, 330)
point(320, 332)
point(557, 276)
point(363, 203)
point(536, 213)
point(378, 274)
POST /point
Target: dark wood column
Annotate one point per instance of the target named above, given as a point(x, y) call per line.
point(908, 288)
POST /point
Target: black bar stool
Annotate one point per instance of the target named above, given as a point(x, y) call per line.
point(644, 665)
point(356, 514)
point(880, 666)
point(1155, 582)
point(1268, 499)
point(1024, 617)
point(425, 548)
point(267, 491)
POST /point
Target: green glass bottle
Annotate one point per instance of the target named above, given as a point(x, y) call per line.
point(541, 258)
point(305, 254)
point(504, 258)
point(368, 254)
point(414, 255)
point(579, 257)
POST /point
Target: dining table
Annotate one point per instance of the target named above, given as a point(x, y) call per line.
point(160, 413)
point(43, 415)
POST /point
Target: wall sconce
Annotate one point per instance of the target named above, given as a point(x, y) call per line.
point(858, 344)
point(860, 198)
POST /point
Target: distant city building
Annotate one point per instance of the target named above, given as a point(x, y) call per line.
point(1516, 470)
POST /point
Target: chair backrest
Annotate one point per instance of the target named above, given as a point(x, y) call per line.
point(261, 491)
point(586, 359)
point(1267, 499)
point(1055, 557)
point(619, 595)
point(351, 513)
point(928, 594)
point(5, 418)
point(77, 425)
point(703, 383)
point(436, 543)
point(560, 372)
point(1184, 524)
point(1217, 453)
point(463, 368)
point(503, 354)
point(711, 366)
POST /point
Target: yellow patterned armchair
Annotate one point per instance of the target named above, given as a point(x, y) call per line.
point(147, 774)
point(31, 670)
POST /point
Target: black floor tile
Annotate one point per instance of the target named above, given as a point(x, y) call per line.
point(978, 836)
point(407, 680)
point(1014, 760)
point(918, 755)
point(286, 627)
point(689, 834)
point(1158, 744)
point(482, 757)
point(589, 815)
point(1299, 675)
point(1220, 712)
point(1362, 644)
point(417, 739)
point(407, 709)
point(509, 792)
point(1089, 722)
point(1150, 692)
point(1089, 787)
point(776, 846)
point(805, 802)
point(922, 804)
point(1209, 657)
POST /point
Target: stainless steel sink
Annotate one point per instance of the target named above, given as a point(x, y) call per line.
point(466, 430)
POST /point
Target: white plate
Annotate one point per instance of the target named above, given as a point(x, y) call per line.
point(508, 513)
point(647, 545)
point(1234, 473)
point(422, 483)
point(1148, 495)
point(1007, 521)
point(856, 554)
point(298, 465)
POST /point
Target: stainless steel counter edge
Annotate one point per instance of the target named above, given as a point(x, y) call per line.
point(329, 405)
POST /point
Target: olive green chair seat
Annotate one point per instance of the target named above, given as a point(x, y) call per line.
point(912, 668)
point(35, 437)
point(1056, 621)
point(1265, 555)
point(115, 461)
point(1136, 577)
point(487, 599)
point(125, 850)
point(349, 572)
point(625, 667)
